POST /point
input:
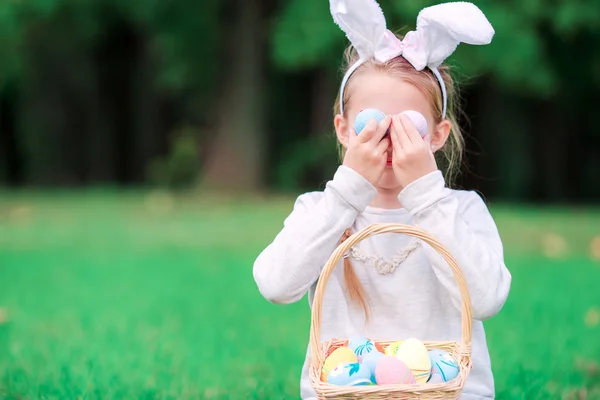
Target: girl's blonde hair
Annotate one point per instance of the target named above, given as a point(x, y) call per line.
point(449, 157)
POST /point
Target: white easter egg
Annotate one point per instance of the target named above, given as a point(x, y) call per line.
point(418, 121)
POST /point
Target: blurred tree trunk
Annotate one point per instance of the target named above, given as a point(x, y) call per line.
point(504, 164)
point(554, 146)
point(45, 117)
point(235, 159)
point(322, 105)
point(11, 170)
point(126, 94)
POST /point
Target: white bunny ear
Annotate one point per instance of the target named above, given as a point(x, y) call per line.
point(439, 31)
point(442, 27)
point(362, 21)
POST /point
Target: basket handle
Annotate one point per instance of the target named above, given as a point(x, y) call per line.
point(375, 229)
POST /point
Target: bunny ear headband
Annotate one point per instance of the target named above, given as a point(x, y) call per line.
point(439, 30)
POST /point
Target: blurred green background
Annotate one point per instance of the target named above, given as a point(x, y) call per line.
point(149, 150)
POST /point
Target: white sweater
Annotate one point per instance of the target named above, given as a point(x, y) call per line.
point(412, 295)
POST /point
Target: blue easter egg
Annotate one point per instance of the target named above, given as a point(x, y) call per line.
point(443, 364)
point(365, 116)
point(370, 361)
point(361, 347)
point(350, 374)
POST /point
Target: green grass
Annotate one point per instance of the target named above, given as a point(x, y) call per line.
point(125, 295)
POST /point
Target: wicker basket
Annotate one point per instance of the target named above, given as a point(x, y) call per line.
point(460, 351)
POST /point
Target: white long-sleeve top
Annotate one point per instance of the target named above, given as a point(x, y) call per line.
point(410, 289)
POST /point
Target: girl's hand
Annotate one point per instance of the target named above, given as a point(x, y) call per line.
point(412, 156)
point(367, 152)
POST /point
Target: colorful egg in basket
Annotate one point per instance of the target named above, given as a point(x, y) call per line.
point(415, 355)
point(370, 361)
point(350, 374)
point(390, 371)
point(435, 378)
point(443, 365)
point(341, 355)
point(411, 368)
point(392, 349)
point(361, 347)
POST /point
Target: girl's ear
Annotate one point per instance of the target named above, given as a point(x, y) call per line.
point(341, 129)
point(440, 135)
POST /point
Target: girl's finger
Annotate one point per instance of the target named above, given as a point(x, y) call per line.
point(401, 133)
point(383, 145)
point(411, 131)
point(381, 129)
point(368, 131)
point(396, 146)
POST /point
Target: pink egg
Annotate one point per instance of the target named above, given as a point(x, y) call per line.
point(391, 371)
point(418, 121)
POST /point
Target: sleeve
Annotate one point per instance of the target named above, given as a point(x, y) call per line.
point(463, 224)
point(286, 268)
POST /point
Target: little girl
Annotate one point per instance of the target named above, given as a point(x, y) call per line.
point(390, 285)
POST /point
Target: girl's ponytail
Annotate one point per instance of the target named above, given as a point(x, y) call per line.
point(353, 285)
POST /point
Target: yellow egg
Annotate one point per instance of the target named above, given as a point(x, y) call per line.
point(392, 349)
point(416, 356)
point(339, 356)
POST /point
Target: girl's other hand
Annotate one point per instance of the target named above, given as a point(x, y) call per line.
point(367, 152)
point(412, 156)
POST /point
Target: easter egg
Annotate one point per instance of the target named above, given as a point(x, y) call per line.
point(364, 116)
point(415, 355)
point(341, 355)
point(392, 349)
point(361, 347)
point(418, 121)
point(443, 364)
point(435, 378)
point(370, 361)
point(350, 374)
point(379, 347)
point(391, 371)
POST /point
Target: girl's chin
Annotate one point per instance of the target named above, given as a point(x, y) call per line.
point(388, 180)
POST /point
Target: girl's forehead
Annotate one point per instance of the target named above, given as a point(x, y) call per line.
point(388, 93)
